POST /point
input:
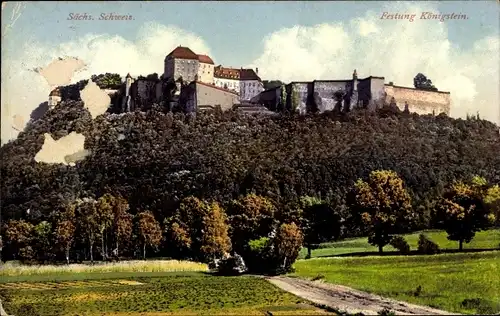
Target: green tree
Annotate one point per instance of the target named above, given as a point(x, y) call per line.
point(42, 233)
point(462, 212)
point(383, 206)
point(250, 217)
point(148, 231)
point(87, 218)
point(319, 224)
point(105, 214)
point(421, 82)
point(107, 80)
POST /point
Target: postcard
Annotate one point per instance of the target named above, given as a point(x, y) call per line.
point(250, 158)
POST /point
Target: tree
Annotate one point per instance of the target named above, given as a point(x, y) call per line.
point(320, 223)
point(199, 228)
point(122, 227)
point(64, 234)
point(287, 244)
point(148, 230)
point(42, 240)
point(19, 236)
point(383, 205)
point(462, 212)
point(270, 84)
point(215, 239)
point(88, 220)
point(421, 82)
point(250, 217)
point(105, 206)
point(107, 80)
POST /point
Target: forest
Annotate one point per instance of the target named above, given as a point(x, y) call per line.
point(167, 177)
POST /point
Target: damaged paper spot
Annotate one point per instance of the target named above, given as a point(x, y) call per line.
point(67, 150)
point(95, 100)
point(60, 71)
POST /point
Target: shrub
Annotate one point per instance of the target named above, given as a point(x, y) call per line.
point(400, 244)
point(427, 246)
point(234, 265)
point(386, 312)
point(318, 277)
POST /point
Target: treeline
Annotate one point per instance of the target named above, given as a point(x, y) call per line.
point(266, 237)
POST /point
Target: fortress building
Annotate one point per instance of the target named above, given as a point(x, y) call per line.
point(343, 95)
point(54, 98)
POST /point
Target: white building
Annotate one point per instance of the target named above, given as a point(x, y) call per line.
point(54, 97)
point(183, 62)
point(250, 84)
point(227, 78)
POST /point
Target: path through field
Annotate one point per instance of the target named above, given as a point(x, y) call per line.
point(348, 300)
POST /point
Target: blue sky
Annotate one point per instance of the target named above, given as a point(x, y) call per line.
point(234, 30)
point(286, 40)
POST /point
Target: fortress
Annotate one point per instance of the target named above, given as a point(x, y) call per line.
point(344, 95)
point(191, 82)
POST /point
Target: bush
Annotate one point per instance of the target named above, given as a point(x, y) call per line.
point(427, 246)
point(400, 244)
point(386, 312)
point(234, 265)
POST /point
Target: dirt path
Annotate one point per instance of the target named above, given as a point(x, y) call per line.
point(345, 299)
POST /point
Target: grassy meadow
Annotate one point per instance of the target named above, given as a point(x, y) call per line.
point(176, 294)
point(463, 283)
point(488, 239)
point(10, 269)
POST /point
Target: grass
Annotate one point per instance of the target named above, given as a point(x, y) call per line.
point(488, 239)
point(176, 294)
point(10, 269)
point(463, 283)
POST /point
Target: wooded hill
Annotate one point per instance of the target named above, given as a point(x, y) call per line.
point(155, 159)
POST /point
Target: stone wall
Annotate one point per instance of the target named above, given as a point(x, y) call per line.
point(298, 96)
point(324, 94)
point(419, 101)
point(211, 95)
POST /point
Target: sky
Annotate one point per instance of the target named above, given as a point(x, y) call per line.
point(286, 40)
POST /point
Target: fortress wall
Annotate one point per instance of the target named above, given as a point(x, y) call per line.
point(419, 101)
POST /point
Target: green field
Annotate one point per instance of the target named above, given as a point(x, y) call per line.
point(488, 239)
point(147, 294)
point(446, 280)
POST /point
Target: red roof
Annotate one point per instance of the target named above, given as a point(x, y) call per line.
point(248, 74)
point(183, 53)
point(215, 87)
point(227, 73)
point(205, 59)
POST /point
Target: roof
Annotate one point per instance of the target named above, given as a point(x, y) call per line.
point(55, 93)
point(128, 75)
point(182, 53)
point(248, 74)
point(227, 73)
point(205, 59)
point(215, 87)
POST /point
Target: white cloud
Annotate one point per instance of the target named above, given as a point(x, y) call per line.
point(23, 89)
point(394, 49)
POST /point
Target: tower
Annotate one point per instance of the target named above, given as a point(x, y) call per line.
point(54, 98)
point(126, 98)
point(354, 93)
